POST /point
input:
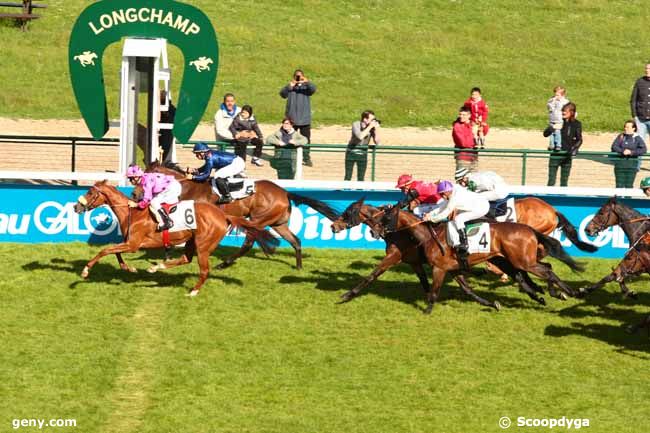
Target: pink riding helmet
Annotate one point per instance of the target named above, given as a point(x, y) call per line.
point(134, 171)
point(445, 186)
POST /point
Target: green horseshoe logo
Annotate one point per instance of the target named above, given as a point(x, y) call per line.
point(107, 21)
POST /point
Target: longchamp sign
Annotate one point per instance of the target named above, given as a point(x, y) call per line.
point(34, 214)
point(107, 21)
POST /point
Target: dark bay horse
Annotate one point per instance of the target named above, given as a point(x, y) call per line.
point(140, 231)
point(400, 247)
point(636, 227)
point(520, 246)
point(269, 206)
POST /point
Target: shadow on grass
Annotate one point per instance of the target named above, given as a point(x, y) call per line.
point(107, 273)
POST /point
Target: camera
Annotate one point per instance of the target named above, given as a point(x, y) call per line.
point(378, 121)
point(298, 78)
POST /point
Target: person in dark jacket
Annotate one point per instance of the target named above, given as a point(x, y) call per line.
point(640, 103)
point(165, 137)
point(286, 140)
point(298, 95)
point(245, 130)
point(571, 136)
point(629, 146)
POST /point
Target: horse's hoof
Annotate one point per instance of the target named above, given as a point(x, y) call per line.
point(632, 295)
point(504, 278)
point(152, 269)
point(542, 301)
point(427, 311)
point(563, 296)
point(347, 297)
point(132, 270)
point(630, 329)
point(192, 293)
point(224, 264)
point(497, 305)
point(85, 272)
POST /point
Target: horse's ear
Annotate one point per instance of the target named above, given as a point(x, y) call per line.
point(613, 200)
point(360, 201)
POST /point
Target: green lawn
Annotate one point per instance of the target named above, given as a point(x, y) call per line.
point(413, 62)
point(264, 348)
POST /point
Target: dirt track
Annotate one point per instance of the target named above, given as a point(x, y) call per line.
point(327, 166)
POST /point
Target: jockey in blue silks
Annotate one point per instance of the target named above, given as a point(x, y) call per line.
point(226, 165)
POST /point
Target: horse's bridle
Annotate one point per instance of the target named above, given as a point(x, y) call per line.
point(602, 226)
point(84, 204)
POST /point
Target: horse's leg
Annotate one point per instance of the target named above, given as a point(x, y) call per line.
point(522, 280)
point(521, 277)
point(543, 270)
point(468, 291)
point(498, 272)
point(587, 290)
point(289, 236)
point(123, 264)
point(245, 248)
point(190, 249)
point(438, 277)
point(392, 258)
point(627, 293)
point(204, 247)
point(422, 276)
point(113, 249)
point(531, 283)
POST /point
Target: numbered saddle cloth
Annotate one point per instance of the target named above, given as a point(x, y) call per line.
point(478, 237)
point(183, 215)
point(503, 210)
point(239, 187)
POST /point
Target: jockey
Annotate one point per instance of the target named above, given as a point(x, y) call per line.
point(227, 165)
point(645, 186)
point(486, 183)
point(423, 194)
point(468, 206)
point(158, 189)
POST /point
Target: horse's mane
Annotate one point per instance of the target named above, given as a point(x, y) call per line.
point(153, 166)
point(629, 211)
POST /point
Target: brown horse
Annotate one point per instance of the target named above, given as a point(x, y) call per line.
point(401, 247)
point(270, 205)
point(636, 227)
point(544, 218)
point(140, 231)
point(519, 245)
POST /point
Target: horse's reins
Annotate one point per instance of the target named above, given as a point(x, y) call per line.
point(86, 207)
point(432, 232)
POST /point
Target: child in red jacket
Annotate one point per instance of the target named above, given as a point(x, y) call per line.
point(479, 110)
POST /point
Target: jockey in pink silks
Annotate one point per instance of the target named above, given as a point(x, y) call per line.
point(158, 188)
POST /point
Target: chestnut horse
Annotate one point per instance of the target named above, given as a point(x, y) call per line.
point(140, 231)
point(270, 205)
point(636, 227)
point(520, 246)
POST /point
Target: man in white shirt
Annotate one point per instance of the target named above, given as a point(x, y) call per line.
point(224, 117)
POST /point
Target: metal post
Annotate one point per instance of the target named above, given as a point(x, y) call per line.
point(298, 174)
point(372, 164)
point(523, 167)
point(74, 158)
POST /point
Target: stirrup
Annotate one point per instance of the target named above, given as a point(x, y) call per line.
point(224, 199)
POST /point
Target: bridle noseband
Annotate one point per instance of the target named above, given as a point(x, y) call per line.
point(87, 206)
point(602, 226)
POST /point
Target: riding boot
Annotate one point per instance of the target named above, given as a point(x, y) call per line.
point(462, 251)
point(224, 190)
point(166, 221)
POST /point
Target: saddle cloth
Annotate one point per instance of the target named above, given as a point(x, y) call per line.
point(182, 214)
point(239, 187)
point(479, 238)
point(504, 210)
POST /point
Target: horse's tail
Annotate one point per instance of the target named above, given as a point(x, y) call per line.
point(318, 205)
point(554, 249)
point(571, 233)
point(264, 238)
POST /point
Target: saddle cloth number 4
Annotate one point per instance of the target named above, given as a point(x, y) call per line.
point(479, 238)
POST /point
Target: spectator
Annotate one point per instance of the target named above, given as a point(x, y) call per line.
point(363, 131)
point(245, 130)
point(298, 93)
point(166, 138)
point(464, 139)
point(640, 103)
point(571, 131)
point(286, 140)
point(479, 116)
point(629, 146)
point(224, 117)
point(554, 106)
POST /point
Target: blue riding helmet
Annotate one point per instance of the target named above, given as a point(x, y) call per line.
point(200, 147)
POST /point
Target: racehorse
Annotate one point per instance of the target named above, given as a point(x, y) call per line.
point(636, 226)
point(544, 218)
point(270, 205)
point(139, 228)
point(400, 247)
point(519, 245)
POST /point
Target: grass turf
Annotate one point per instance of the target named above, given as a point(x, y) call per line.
point(264, 348)
point(413, 62)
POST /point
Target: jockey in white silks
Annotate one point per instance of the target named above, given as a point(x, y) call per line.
point(468, 206)
point(486, 183)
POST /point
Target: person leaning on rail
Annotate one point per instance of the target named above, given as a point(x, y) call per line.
point(571, 132)
point(363, 131)
point(286, 140)
point(630, 146)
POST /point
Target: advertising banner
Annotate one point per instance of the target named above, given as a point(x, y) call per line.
point(35, 214)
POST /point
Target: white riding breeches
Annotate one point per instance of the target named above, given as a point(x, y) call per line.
point(424, 208)
point(170, 195)
point(483, 207)
point(234, 168)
